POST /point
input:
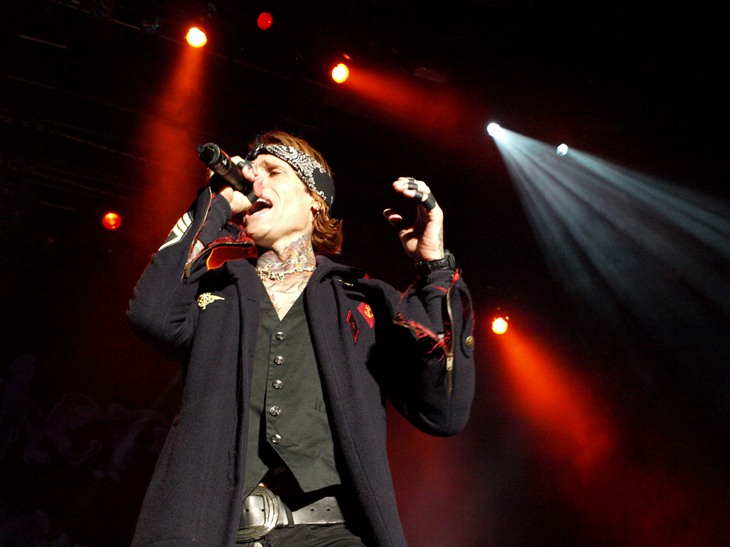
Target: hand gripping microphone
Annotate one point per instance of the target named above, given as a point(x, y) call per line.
point(222, 165)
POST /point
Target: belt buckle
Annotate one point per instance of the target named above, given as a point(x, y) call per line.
point(271, 516)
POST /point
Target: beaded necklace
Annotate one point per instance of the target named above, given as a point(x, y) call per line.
point(266, 273)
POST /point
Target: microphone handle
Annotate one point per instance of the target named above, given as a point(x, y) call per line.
point(222, 165)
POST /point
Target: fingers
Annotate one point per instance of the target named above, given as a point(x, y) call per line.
point(416, 189)
point(430, 202)
point(408, 186)
point(247, 168)
point(393, 217)
point(238, 201)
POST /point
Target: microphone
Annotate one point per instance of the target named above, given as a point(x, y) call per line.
point(222, 165)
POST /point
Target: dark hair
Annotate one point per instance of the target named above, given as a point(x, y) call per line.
point(327, 234)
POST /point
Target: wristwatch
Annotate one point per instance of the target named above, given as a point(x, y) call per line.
point(425, 267)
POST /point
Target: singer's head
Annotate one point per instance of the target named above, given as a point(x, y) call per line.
point(278, 156)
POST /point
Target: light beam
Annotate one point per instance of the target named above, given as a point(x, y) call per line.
point(649, 259)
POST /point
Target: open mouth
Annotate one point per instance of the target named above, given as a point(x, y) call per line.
point(261, 204)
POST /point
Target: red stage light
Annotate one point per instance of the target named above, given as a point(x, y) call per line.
point(500, 325)
point(196, 37)
point(340, 73)
point(111, 220)
point(265, 20)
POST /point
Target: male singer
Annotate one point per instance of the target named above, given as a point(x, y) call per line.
point(289, 358)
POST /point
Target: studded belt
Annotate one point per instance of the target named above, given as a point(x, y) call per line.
point(263, 511)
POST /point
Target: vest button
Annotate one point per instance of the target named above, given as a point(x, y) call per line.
point(275, 439)
point(275, 410)
point(277, 384)
point(279, 335)
point(278, 360)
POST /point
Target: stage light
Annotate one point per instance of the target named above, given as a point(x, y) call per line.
point(196, 37)
point(500, 324)
point(111, 220)
point(633, 251)
point(340, 73)
point(494, 130)
point(264, 20)
point(562, 149)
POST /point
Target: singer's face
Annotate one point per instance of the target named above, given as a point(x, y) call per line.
point(283, 212)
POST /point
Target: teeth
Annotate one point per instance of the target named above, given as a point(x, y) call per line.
point(260, 204)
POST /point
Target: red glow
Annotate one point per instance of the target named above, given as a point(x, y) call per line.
point(644, 501)
point(196, 37)
point(111, 220)
point(170, 131)
point(557, 403)
point(438, 112)
point(223, 254)
point(422, 477)
point(265, 20)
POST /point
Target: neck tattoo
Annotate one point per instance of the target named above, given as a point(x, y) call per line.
point(296, 258)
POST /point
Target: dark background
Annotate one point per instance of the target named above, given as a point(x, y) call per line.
point(85, 405)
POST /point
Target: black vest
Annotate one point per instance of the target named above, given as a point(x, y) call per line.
point(288, 417)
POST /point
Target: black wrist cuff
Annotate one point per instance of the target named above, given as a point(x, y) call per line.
point(425, 267)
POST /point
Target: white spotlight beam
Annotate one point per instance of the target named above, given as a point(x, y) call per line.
point(623, 243)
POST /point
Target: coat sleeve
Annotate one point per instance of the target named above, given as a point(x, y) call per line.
point(163, 308)
point(429, 371)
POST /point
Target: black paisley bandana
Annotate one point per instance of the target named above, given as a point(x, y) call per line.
point(306, 167)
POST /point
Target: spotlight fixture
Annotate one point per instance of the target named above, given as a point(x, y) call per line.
point(500, 325)
point(111, 220)
point(196, 37)
point(562, 149)
point(340, 73)
point(264, 20)
point(500, 322)
point(494, 130)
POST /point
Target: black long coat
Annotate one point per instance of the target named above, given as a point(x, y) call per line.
point(372, 343)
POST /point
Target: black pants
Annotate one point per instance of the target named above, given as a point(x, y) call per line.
point(303, 535)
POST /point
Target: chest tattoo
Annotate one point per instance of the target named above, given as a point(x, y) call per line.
point(284, 293)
